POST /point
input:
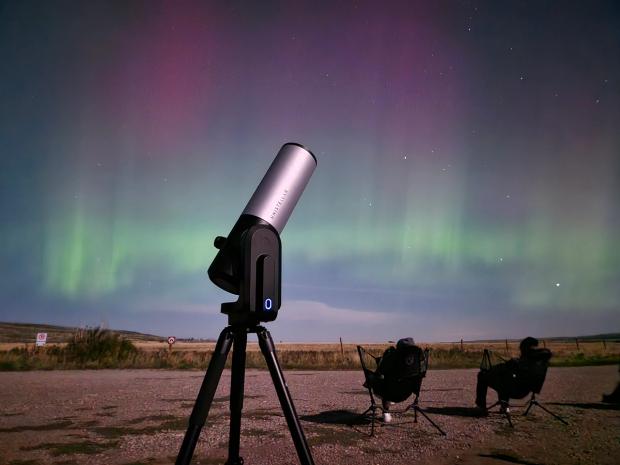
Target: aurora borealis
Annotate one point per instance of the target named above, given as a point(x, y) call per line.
point(468, 179)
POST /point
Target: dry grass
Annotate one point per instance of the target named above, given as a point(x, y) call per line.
point(185, 355)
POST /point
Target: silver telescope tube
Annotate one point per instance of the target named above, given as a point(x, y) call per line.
point(277, 194)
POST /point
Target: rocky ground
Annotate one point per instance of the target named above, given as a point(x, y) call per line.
point(132, 417)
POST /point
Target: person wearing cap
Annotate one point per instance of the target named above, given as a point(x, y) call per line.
point(500, 377)
point(396, 363)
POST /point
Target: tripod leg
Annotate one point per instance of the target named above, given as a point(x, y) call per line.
point(418, 409)
point(236, 396)
point(205, 397)
point(268, 349)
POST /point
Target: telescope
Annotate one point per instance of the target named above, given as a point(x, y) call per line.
point(248, 264)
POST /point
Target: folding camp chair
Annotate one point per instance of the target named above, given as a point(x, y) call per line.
point(520, 377)
point(395, 388)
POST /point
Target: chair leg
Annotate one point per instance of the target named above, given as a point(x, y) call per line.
point(417, 409)
point(372, 423)
point(372, 410)
point(534, 402)
point(529, 406)
point(504, 408)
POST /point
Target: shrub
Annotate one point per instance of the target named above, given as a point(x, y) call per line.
point(99, 346)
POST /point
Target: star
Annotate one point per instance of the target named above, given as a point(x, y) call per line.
point(557, 284)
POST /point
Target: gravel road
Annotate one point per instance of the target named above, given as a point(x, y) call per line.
point(133, 417)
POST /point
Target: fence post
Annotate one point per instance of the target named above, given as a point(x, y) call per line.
point(577, 342)
point(544, 344)
point(341, 348)
point(507, 352)
point(461, 344)
point(604, 344)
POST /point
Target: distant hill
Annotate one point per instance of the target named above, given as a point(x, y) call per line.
point(591, 337)
point(27, 332)
point(599, 337)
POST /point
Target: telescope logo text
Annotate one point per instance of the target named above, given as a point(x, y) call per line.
point(279, 204)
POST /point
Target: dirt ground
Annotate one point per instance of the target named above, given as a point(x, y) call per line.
point(132, 417)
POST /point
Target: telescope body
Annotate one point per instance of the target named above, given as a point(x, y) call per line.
point(270, 206)
point(277, 194)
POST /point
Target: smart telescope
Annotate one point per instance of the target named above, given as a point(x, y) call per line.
point(248, 264)
point(248, 261)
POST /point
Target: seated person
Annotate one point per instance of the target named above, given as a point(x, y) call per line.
point(501, 376)
point(395, 378)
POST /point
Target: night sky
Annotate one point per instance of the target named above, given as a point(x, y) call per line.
point(468, 179)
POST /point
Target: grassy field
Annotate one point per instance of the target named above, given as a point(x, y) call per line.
point(26, 332)
point(114, 350)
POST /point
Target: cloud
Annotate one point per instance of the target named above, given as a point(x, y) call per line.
point(173, 307)
point(309, 310)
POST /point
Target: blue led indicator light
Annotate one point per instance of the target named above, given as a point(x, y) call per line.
point(268, 304)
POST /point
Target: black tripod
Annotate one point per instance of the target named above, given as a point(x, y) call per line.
point(251, 269)
point(237, 335)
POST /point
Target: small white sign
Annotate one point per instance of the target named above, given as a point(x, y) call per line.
point(41, 339)
point(171, 340)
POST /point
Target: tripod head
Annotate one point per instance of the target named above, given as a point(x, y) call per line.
point(260, 284)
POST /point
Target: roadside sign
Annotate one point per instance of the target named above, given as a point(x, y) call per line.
point(171, 340)
point(41, 339)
